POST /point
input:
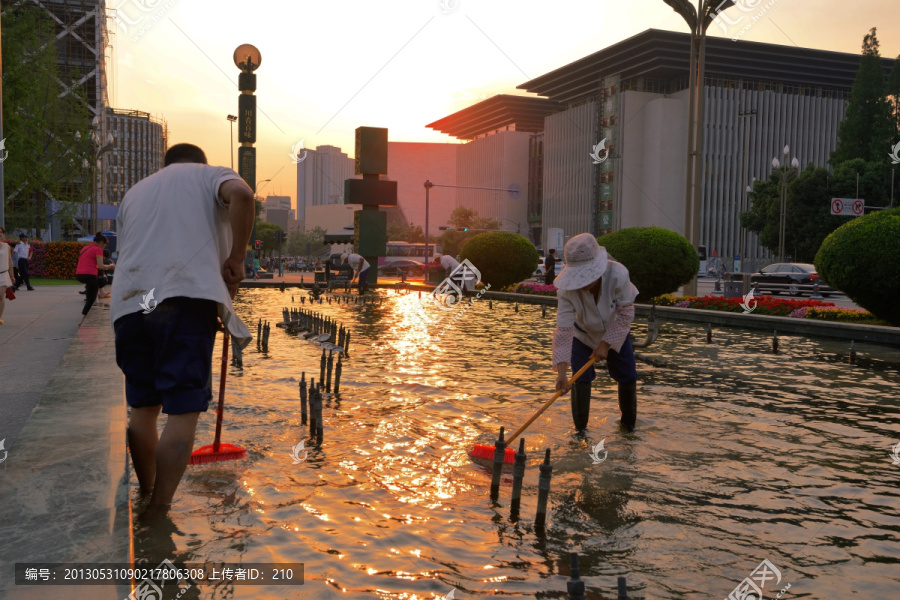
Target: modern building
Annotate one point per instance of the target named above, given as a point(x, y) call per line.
point(496, 158)
point(333, 218)
point(139, 149)
point(410, 164)
point(320, 177)
point(607, 147)
point(633, 97)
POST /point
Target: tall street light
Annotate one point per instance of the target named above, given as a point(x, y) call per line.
point(232, 119)
point(785, 175)
point(698, 20)
point(745, 115)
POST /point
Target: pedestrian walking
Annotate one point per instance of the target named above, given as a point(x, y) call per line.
point(593, 322)
point(550, 267)
point(6, 267)
point(360, 268)
point(21, 258)
point(182, 234)
point(90, 266)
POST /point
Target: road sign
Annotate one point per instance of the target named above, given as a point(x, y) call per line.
point(514, 190)
point(847, 207)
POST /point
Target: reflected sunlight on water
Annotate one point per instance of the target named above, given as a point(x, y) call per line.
point(739, 455)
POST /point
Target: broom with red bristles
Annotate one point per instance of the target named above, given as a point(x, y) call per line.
point(217, 451)
point(483, 454)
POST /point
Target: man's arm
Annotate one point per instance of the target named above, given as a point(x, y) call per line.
point(238, 196)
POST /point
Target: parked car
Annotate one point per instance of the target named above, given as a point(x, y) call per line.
point(412, 268)
point(793, 278)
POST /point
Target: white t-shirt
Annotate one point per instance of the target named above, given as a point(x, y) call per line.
point(358, 263)
point(21, 251)
point(174, 234)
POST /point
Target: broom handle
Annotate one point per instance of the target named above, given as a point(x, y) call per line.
point(220, 410)
point(547, 404)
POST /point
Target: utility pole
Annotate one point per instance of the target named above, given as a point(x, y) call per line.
point(745, 115)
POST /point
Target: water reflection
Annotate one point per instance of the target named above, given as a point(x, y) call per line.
point(740, 455)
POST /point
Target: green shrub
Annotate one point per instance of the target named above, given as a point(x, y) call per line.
point(503, 258)
point(861, 259)
point(659, 261)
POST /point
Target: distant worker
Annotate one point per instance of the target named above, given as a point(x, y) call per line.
point(360, 268)
point(465, 279)
point(593, 322)
point(550, 267)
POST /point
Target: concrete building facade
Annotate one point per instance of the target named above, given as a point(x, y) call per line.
point(410, 164)
point(139, 149)
point(320, 178)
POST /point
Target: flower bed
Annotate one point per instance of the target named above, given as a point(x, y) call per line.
point(761, 305)
point(536, 289)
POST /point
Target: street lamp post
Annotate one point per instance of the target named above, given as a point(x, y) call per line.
point(745, 115)
point(232, 119)
point(698, 20)
point(428, 186)
point(785, 175)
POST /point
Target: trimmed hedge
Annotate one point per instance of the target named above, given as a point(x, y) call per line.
point(659, 261)
point(503, 258)
point(862, 259)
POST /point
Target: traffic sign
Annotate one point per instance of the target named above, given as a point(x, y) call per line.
point(847, 207)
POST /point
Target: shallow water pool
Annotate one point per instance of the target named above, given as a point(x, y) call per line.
point(740, 455)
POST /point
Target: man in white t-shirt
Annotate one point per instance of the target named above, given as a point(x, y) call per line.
point(182, 238)
point(360, 268)
point(21, 255)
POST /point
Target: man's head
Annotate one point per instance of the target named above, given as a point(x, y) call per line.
point(23, 237)
point(552, 250)
point(184, 153)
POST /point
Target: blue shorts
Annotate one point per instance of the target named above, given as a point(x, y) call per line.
point(620, 364)
point(166, 355)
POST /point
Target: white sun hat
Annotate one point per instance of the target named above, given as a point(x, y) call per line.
point(344, 257)
point(586, 262)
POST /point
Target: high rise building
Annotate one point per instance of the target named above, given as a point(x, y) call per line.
point(139, 148)
point(320, 177)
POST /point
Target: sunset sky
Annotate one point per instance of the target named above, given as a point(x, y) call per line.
point(329, 67)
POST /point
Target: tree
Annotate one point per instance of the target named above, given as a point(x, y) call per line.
point(860, 258)
point(468, 218)
point(503, 258)
point(808, 218)
point(868, 127)
point(893, 90)
point(412, 233)
point(265, 232)
point(48, 135)
point(659, 261)
point(302, 243)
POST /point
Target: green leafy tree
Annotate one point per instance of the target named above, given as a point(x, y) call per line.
point(412, 233)
point(808, 218)
point(301, 243)
point(860, 258)
point(868, 127)
point(893, 90)
point(503, 258)
point(265, 233)
point(48, 136)
point(659, 261)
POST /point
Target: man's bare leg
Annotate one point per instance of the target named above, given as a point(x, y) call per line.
point(142, 440)
point(172, 456)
